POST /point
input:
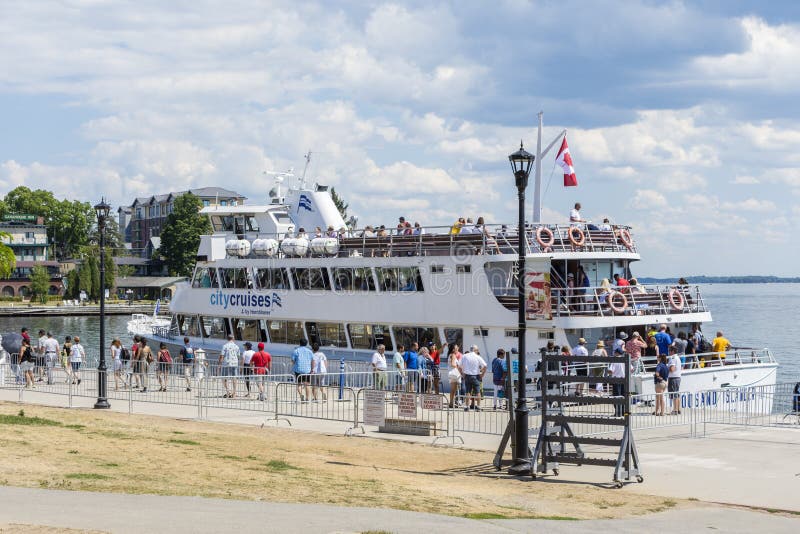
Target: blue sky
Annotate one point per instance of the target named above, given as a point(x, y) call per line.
point(682, 116)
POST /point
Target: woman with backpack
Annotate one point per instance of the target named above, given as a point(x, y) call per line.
point(143, 357)
point(66, 348)
point(26, 362)
point(164, 363)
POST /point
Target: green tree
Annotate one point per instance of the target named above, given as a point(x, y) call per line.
point(181, 233)
point(68, 221)
point(124, 271)
point(92, 264)
point(84, 278)
point(73, 284)
point(7, 259)
point(40, 283)
point(339, 202)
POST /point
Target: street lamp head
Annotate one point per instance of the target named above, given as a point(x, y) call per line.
point(521, 162)
point(102, 209)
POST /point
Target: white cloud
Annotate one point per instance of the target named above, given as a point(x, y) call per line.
point(745, 180)
point(763, 65)
point(751, 204)
point(647, 199)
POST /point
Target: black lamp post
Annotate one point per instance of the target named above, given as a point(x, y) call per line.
point(102, 210)
point(521, 162)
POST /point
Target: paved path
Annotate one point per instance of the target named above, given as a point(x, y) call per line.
point(149, 513)
point(742, 466)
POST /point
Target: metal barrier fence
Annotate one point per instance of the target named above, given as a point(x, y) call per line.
point(340, 397)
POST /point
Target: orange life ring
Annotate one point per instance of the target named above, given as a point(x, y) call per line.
point(580, 239)
point(617, 308)
point(676, 300)
point(625, 237)
point(543, 230)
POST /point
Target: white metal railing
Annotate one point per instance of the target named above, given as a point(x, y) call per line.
point(627, 300)
point(732, 356)
point(469, 239)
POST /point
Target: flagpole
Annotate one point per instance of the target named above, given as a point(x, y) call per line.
point(537, 182)
point(537, 190)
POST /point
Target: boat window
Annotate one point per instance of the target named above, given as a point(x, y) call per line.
point(358, 279)
point(393, 279)
point(282, 218)
point(369, 336)
point(467, 268)
point(437, 269)
point(252, 224)
point(311, 279)
point(406, 335)
point(248, 330)
point(290, 332)
point(188, 325)
point(235, 278)
point(222, 223)
point(205, 277)
point(272, 279)
point(454, 336)
point(327, 334)
point(215, 327)
point(479, 332)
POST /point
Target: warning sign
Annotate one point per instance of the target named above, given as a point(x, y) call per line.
point(374, 407)
point(431, 402)
point(407, 405)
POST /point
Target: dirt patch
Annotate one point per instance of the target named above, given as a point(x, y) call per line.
point(109, 452)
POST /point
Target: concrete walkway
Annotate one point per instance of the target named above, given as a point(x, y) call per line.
point(754, 467)
point(122, 513)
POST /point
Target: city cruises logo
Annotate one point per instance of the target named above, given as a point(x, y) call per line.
point(250, 303)
point(304, 202)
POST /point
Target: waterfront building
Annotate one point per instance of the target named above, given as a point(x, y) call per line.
point(145, 217)
point(27, 237)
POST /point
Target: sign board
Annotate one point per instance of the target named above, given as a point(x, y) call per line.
point(431, 402)
point(22, 217)
point(407, 405)
point(374, 407)
point(537, 295)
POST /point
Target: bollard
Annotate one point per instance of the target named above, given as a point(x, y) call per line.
point(341, 378)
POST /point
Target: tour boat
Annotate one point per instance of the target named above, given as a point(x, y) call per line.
point(263, 276)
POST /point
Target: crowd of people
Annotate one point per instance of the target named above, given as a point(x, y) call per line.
point(37, 360)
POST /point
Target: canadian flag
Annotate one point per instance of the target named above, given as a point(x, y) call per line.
point(564, 160)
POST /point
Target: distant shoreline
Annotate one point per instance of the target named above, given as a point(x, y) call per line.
point(722, 280)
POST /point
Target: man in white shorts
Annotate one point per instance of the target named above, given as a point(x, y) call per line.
point(51, 352)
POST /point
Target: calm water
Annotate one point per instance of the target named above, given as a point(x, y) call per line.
point(752, 315)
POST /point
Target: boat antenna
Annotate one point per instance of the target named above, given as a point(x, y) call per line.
point(308, 162)
point(537, 191)
point(275, 192)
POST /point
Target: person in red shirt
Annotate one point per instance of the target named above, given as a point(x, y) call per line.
point(620, 281)
point(261, 363)
point(436, 356)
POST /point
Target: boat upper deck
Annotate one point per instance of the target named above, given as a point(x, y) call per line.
point(441, 241)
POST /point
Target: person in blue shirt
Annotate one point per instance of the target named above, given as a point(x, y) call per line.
point(499, 373)
point(301, 367)
point(663, 340)
point(411, 360)
point(660, 378)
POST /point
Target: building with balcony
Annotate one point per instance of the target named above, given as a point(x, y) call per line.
point(145, 218)
point(27, 237)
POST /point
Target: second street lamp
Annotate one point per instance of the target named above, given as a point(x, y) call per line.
point(102, 209)
point(521, 162)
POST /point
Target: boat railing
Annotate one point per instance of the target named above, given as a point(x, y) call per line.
point(732, 356)
point(490, 239)
point(640, 299)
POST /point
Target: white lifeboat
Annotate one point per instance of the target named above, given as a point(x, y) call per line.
point(295, 246)
point(237, 247)
point(265, 247)
point(325, 246)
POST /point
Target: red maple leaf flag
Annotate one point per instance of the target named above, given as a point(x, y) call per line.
point(564, 160)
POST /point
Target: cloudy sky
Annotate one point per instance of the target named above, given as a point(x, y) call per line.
point(682, 116)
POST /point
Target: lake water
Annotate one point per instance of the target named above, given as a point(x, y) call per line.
point(750, 315)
